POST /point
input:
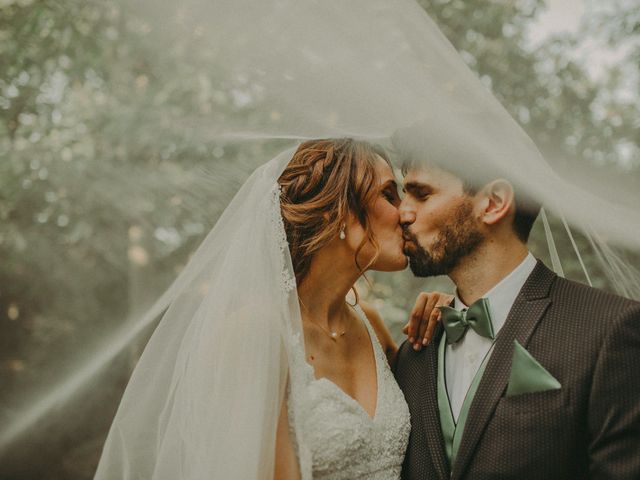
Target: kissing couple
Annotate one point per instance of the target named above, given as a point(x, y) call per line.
point(260, 368)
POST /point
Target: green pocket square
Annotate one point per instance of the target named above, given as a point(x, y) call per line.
point(527, 375)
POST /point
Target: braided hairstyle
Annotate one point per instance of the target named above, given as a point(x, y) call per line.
point(324, 182)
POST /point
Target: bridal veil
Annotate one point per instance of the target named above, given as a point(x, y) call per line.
point(204, 399)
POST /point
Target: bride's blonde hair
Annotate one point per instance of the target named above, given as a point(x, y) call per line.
point(324, 182)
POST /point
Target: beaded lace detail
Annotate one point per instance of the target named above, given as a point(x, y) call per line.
point(287, 278)
point(340, 438)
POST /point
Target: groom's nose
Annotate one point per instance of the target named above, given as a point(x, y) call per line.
point(407, 213)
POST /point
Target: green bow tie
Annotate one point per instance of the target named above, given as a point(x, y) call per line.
point(477, 316)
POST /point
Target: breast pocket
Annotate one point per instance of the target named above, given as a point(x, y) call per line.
point(538, 403)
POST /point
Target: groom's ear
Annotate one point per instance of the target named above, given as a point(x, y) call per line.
point(497, 201)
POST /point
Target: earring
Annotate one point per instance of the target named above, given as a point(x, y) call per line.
point(342, 234)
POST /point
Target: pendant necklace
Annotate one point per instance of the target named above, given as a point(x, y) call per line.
point(334, 335)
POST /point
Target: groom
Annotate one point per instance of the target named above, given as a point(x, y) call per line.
point(529, 375)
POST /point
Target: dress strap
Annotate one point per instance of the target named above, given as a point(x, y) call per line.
point(375, 342)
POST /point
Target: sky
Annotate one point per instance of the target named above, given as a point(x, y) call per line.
point(564, 16)
point(561, 16)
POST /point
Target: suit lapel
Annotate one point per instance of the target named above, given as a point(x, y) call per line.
point(430, 415)
point(527, 310)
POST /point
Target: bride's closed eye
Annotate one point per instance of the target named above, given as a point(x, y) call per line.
point(391, 194)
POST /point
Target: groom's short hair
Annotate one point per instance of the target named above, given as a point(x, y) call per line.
point(474, 175)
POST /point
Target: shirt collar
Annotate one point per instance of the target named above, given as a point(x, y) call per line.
point(504, 293)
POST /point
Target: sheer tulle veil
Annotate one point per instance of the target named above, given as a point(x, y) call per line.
point(204, 399)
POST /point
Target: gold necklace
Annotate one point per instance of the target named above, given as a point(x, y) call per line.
point(334, 335)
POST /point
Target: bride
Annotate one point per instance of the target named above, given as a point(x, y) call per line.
point(339, 202)
point(260, 368)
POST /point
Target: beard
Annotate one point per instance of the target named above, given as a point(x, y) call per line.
point(457, 238)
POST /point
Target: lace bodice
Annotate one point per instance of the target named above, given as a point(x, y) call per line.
point(337, 437)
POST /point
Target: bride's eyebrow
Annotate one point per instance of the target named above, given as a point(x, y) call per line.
point(389, 183)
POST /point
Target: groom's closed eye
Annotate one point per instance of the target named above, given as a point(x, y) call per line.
point(418, 190)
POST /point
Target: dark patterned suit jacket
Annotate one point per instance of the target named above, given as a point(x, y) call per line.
point(590, 428)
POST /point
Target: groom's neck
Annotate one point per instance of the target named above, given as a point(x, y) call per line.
point(480, 271)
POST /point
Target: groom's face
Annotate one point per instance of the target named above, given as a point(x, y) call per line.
point(438, 219)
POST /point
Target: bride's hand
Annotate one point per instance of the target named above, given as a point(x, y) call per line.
point(424, 317)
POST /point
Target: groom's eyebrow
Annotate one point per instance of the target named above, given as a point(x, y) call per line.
point(417, 188)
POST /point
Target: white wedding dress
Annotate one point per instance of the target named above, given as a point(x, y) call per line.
point(341, 440)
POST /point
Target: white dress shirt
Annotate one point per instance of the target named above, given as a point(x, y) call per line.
point(463, 359)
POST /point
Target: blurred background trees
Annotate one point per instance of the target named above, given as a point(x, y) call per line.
point(97, 217)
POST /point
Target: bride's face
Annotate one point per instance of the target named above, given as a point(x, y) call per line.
point(384, 220)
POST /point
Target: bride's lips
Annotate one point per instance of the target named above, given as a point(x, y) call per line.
point(409, 243)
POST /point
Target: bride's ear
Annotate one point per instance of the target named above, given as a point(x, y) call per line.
point(497, 201)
